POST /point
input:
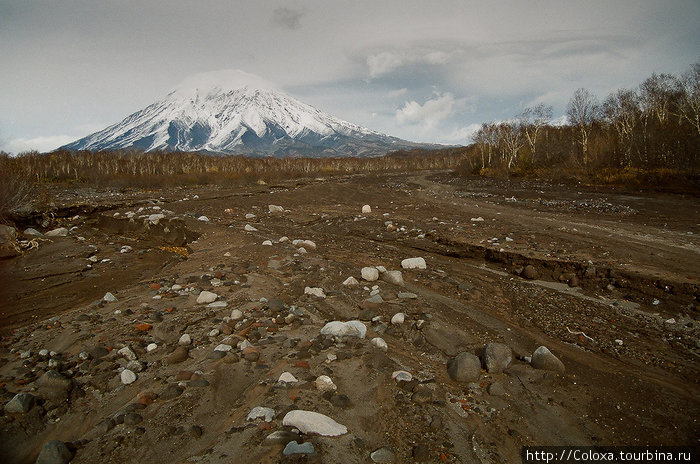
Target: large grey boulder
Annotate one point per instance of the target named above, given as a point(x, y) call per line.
point(542, 358)
point(54, 452)
point(464, 368)
point(497, 357)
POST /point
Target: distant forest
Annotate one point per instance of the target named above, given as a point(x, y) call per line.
point(643, 137)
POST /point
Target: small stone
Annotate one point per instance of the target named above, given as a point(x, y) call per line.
point(236, 315)
point(287, 377)
point(325, 384)
point(281, 437)
point(20, 403)
point(398, 318)
point(203, 219)
point(184, 340)
point(379, 343)
point(313, 422)
point(267, 243)
point(267, 413)
point(315, 291)
point(414, 263)
point(132, 418)
point(370, 274)
point(109, 298)
point(250, 354)
point(275, 209)
point(127, 377)
point(206, 297)
point(54, 452)
point(530, 272)
point(407, 296)
point(60, 232)
point(345, 329)
point(223, 347)
point(178, 355)
point(171, 392)
point(375, 299)
point(366, 209)
point(151, 347)
point(393, 277)
point(464, 368)
point(249, 228)
point(217, 305)
point(402, 376)
point(293, 448)
point(542, 358)
point(383, 454)
point(351, 282)
point(127, 353)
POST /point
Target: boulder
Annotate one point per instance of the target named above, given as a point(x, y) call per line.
point(369, 274)
point(464, 368)
point(393, 277)
point(313, 422)
point(345, 329)
point(542, 358)
point(497, 357)
point(413, 263)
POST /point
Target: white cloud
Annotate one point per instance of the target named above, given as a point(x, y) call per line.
point(383, 63)
point(428, 114)
point(40, 144)
point(461, 135)
point(397, 93)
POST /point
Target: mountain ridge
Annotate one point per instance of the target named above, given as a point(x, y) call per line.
point(243, 118)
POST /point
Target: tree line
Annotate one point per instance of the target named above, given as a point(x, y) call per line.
point(653, 126)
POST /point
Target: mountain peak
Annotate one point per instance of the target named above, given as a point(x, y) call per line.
point(222, 81)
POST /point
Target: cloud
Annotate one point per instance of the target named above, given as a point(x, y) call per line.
point(397, 93)
point(40, 144)
point(382, 63)
point(428, 114)
point(287, 18)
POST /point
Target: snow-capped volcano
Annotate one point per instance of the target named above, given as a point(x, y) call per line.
point(232, 112)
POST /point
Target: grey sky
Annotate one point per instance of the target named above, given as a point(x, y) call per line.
point(424, 71)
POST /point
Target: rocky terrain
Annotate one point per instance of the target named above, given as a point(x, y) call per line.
point(411, 317)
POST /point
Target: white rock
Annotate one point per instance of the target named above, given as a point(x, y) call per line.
point(393, 277)
point(206, 297)
point(185, 339)
point(267, 243)
point(127, 353)
point(309, 244)
point(313, 422)
point(324, 384)
point(155, 218)
point(287, 377)
point(176, 287)
point(477, 219)
point(217, 304)
point(283, 239)
point(250, 216)
point(345, 329)
point(404, 376)
point(249, 228)
point(236, 315)
point(370, 274)
point(275, 209)
point(366, 209)
point(109, 298)
point(413, 263)
point(380, 343)
point(315, 291)
point(259, 411)
point(223, 347)
point(203, 219)
point(151, 347)
point(60, 232)
point(351, 281)
point(127, 377)
point(214, 332)
point(398, 318)
point(381, 269)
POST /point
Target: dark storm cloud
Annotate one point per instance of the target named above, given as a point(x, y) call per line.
point(287, 18)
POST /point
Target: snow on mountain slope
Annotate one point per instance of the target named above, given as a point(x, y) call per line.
point(232, 112)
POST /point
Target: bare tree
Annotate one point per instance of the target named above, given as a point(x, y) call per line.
point(533, 120)
point(622, 112)
point(582, 112)
point(689, 108)
point(511, 135)
point(657, 94)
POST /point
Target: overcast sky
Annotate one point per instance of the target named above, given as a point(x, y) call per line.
point(421, 70)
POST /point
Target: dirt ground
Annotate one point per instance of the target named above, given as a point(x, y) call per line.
point(606, 280)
